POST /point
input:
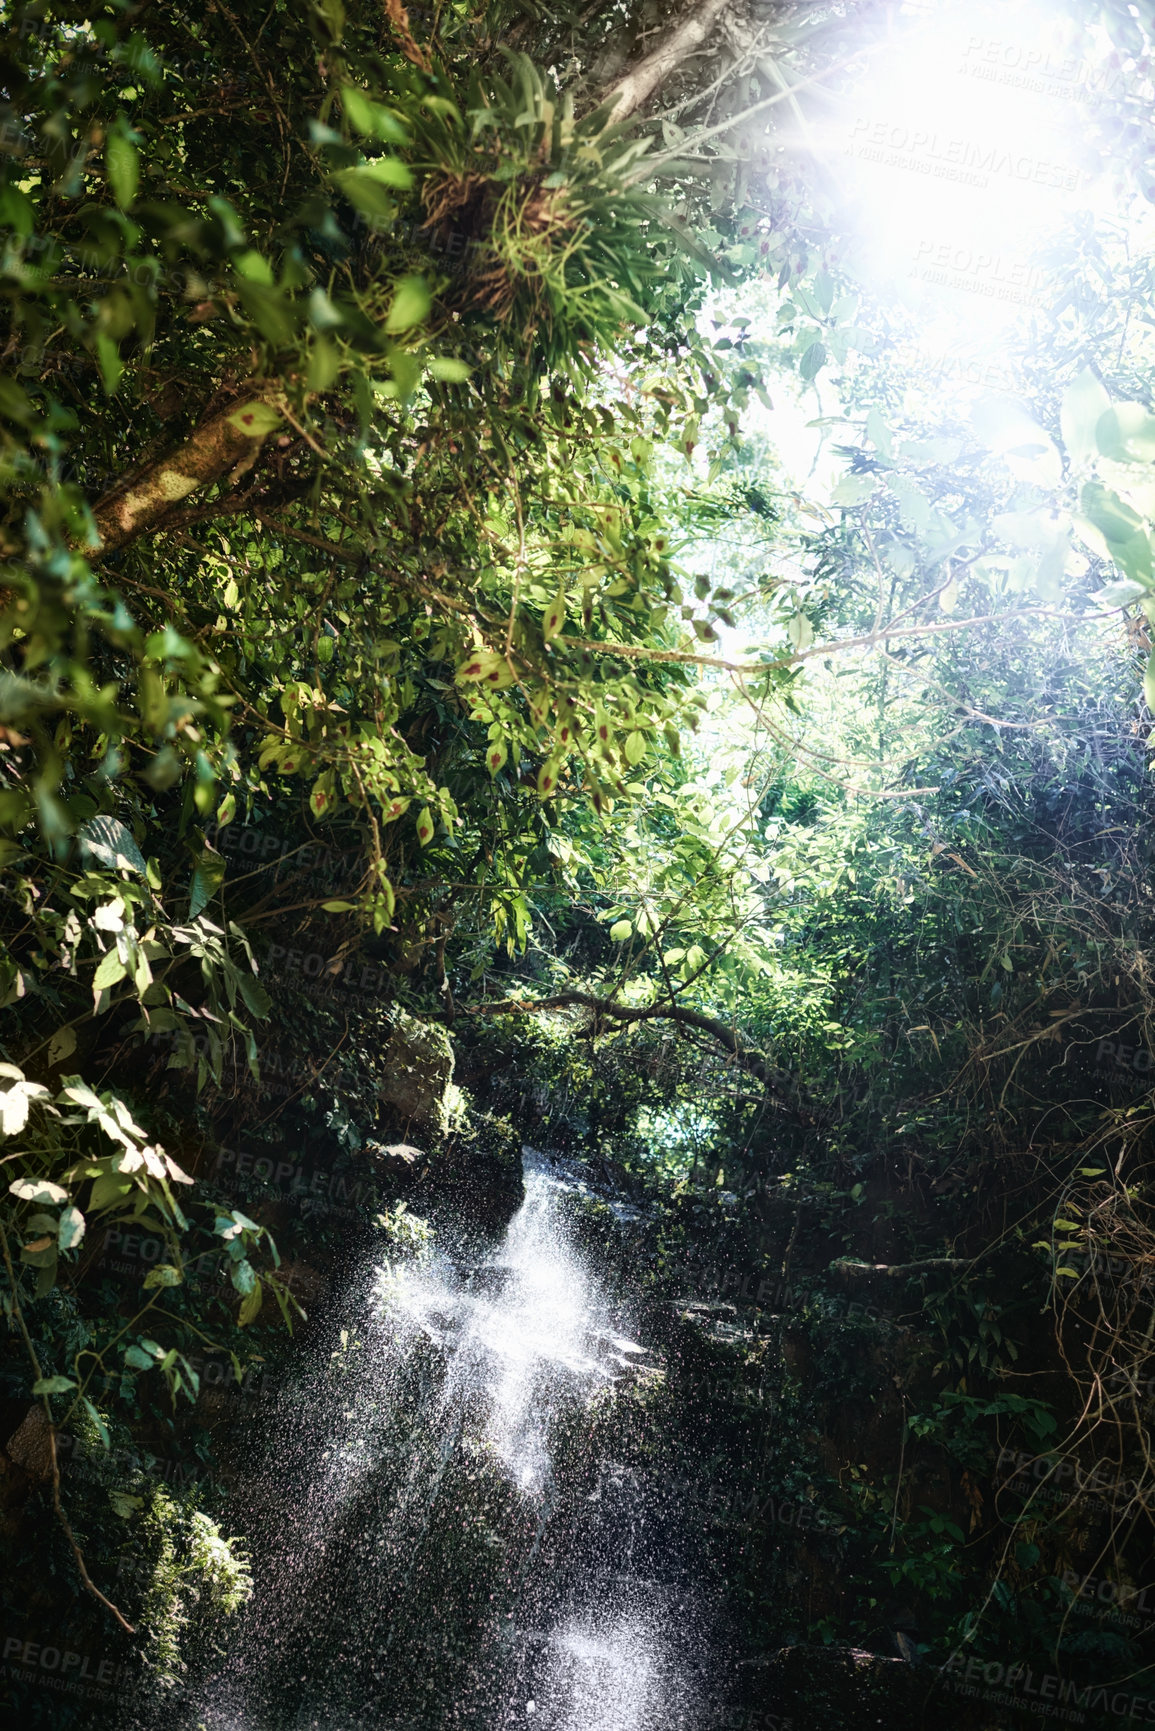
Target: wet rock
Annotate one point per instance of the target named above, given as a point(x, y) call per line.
point(850, 1689)
point(308, 1285)
point(395, 1160)
point(30, 1445)
point(477, 1172)
point(417, 1073)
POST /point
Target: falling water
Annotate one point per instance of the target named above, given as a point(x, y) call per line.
point(444, 1541)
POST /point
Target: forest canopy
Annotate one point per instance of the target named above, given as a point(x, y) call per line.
point(523, 523)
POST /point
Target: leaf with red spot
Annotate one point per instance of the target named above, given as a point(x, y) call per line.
point(555, 616)
point(255, 419)
point(486, 667)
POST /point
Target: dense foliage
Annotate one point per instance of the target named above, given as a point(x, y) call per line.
point(410, 622)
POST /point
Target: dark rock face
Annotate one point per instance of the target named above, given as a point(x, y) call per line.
point(848, 1689)
point(418, 1073)
point(30, 1445)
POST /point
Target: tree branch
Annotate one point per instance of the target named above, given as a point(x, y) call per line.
point(144, 499)
point(637, 86)
point(50, 1432)
point(845, 1266)
point(747, 1058)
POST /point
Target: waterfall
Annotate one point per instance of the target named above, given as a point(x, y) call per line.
point(442, 1540)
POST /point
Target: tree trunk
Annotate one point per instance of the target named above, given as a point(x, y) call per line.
point(637, 86)
point(228, 439)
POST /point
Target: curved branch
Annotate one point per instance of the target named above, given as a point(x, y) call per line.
point(633, 90)
point(146, 499)
point(747, 1058)
point(50, 1431)
point(895, 1269)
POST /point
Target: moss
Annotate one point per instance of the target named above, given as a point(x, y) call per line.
point(196, 1577)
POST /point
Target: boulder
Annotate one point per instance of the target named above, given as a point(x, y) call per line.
point(417, 1073)
point(30, 1445)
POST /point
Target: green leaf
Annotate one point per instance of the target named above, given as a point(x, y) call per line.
point(271, 311)
point(98, 1421)
point(800, 632)
point(164, 1274)
point(812, 362)
point(207, 879)
point(406, 371)
point(1121, 593)
point(122, 162)
point(61, 1046)
point(367, 195)
point(555, 616)
point(410, 304)
point(258, 420)
point(1126, 433)
point(324, 365)
point(425, 827)
point(854, 490)
point(109, 361)
point(106, 840)
point(386, 171)
point(37, 1190)
point(254, 267)
point(486, 667)
point(1085, 401)
point(243, 1276)
point(53, 1385)
point(72, 1228)
point(621, 930)
point(109, 1189)
point(110, 972)
point(449, 369)
point(1149, 682)
point(257, 1000)
point(1115, 520)
point(371, 118)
